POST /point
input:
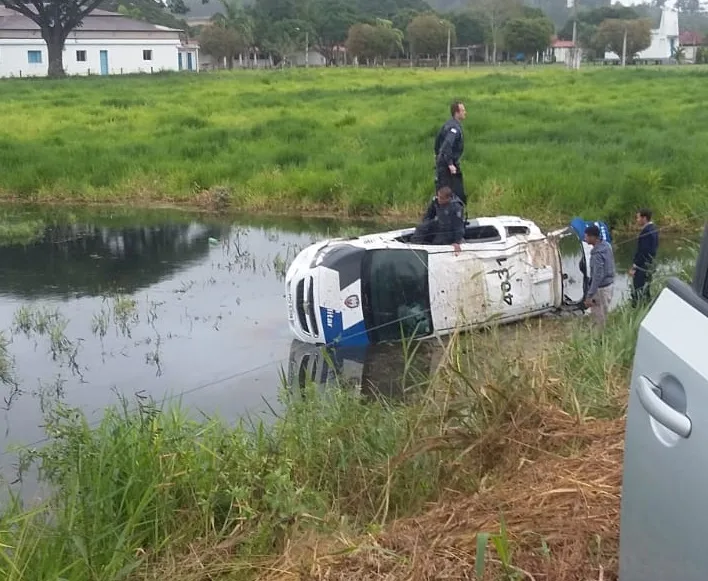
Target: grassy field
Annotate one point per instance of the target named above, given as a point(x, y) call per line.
point(544, 142)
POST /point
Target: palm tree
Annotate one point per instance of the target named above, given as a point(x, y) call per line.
point(237, 20)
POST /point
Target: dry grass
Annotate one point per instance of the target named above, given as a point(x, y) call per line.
point(522, 462)
point(561, 512)
point(556, 485)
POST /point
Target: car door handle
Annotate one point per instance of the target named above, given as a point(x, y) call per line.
point(661, 411)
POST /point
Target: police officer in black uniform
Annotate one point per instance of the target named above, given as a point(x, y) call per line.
point(443, 222)
point(449, 145)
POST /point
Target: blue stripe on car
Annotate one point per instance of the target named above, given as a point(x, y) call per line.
point(335, 333)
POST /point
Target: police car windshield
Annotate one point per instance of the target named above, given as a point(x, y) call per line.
point(396, 295)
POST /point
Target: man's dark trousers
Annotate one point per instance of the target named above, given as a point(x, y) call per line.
point(640, 287)
point(443, 177)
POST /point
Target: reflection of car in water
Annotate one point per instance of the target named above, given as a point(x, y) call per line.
point(379, 287)
point(377, 369)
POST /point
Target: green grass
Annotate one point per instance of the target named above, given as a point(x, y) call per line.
point(542, 142)
point(147, 486)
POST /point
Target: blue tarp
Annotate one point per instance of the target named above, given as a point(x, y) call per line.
point(578, 225)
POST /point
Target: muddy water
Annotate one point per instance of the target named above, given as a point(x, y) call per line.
point(166, 304)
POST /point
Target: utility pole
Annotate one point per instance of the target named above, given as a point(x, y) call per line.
point(576, 57)
point(307, 49)
point(449, 32)
point(624, 47)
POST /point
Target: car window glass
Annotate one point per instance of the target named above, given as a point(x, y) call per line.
point(398, 298)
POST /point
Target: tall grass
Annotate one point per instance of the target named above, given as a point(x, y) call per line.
point(544, 142)
point(148, 483)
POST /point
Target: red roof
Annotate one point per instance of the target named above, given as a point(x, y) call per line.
point(690, 38)
point(562, 44)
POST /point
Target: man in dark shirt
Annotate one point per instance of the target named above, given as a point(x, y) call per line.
point(443, 222)
point(643, 262)
point(449, 145)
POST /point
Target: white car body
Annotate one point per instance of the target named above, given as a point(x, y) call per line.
point(379, 287)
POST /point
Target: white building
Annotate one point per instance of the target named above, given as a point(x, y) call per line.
point(562, 51)
point(663, 40)
point(107, 43)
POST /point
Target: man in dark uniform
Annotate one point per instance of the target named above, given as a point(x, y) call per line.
point(443, 222)
point(449, 145)
point(642, 265)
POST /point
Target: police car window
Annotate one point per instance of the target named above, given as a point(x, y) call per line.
point(396, 285)
point(481, 233)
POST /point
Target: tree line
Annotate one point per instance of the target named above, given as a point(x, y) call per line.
point(373, 30)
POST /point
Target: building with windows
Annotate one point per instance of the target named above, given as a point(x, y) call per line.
point(107, 43)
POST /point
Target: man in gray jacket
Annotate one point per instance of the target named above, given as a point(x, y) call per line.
point(602, 275)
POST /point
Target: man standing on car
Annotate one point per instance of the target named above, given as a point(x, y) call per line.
point(602, 275)
point(642, 265)
point(449, 145)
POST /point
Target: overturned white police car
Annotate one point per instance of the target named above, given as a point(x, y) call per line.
point(380, 287)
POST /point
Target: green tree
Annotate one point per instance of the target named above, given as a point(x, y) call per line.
point(370, 42)
point(220, 41)
point(610, 34)
point(130, 11)
point(331, 21)
point(403, 18)
point(55, 19)
point(588, 23)
point(597, 16)
point(389, 38)
point(496, 13)
point(286, 37)
point(469, 28)
point(239, 21)
point(270, 12)
point(427, 34)
point(528, 35)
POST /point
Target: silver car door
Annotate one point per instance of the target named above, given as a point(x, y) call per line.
point(664, 507)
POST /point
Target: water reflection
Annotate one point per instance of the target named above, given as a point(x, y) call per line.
point(86, 259)
point(385, 369)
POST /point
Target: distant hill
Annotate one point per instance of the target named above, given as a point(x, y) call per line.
point(147, 10)
point(556, 10)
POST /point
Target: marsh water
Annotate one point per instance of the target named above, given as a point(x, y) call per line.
point(169, 305)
